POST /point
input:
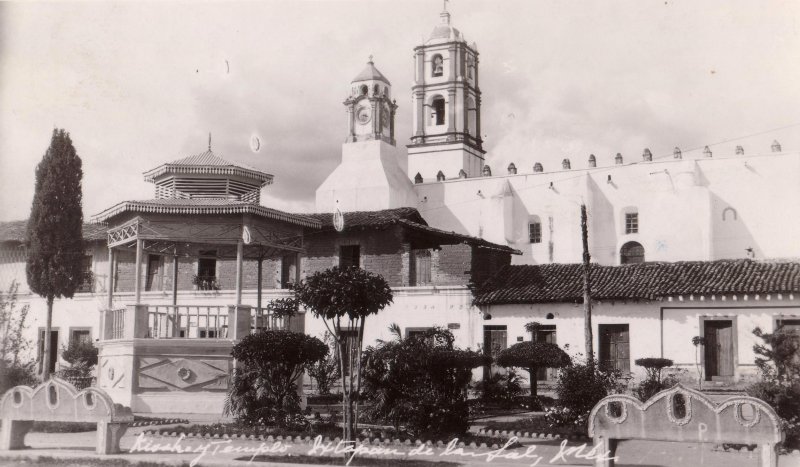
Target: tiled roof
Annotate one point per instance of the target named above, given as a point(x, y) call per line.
point(409, 218)
point(646, 281)
point(203, 206)
point(14, 231)
point(369, 219)
point(207, 163)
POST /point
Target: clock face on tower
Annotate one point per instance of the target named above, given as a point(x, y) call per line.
point(363, 115)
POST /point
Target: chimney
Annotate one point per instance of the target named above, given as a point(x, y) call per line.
point(487, 171)
point(418, 178)
point(512, 169)
point(592, 161)
point(647, 156)
point(440, 176)
point(618, 159)
point(537, 168)
point(676, 153)
point(462, 174)
point(565, 164)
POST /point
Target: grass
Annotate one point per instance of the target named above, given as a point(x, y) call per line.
point(357, 461)
point(47, 461)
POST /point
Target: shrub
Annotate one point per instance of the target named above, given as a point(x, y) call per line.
point(778, 360)
point(326, 371)
point(501, 388)
point(653, 383)
point(14, 371)
point(263, 388)
point(421, 382)
point(531, 356)
point(580, 387)
point(80, 351)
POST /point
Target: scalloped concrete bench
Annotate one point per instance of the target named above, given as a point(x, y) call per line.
point(619, 417)
point(58, 401)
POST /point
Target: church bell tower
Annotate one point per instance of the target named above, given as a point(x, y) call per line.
point(447, 106)
point(371, 175)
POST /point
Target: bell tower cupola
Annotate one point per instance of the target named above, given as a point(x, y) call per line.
point(446, 105)
point(370, 110)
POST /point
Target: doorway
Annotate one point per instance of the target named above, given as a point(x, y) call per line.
point(547, 334)
point(719, 349)
point(495, 340)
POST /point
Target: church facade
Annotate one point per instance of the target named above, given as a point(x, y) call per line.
point(683, 247)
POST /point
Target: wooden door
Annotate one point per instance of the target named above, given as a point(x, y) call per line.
point(615, 347)
point(718, 349)
point(546, 334)
point(495, 339)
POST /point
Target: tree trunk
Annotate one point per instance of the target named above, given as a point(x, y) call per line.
point(47, 331)
point(587, 288)
point(358, 376)
point(534, 387)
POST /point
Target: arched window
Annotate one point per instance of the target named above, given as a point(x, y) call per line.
point(437, 111)
point(364, 89)
point(534, 229)
point(437, 63)
point(376, 90)
point(631, 253)
point(470, 66)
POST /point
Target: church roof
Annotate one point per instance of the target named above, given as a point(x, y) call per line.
point(370, 73)
point(549, 283)
point(207, 163)
point(203, 206)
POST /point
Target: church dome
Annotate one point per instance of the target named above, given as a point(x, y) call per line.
point(370, 73)
point(444, 32)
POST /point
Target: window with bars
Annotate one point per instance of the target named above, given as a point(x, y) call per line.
point(631, 222)
point(535, 231)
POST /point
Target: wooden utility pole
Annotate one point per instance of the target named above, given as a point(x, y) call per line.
point(587, 288)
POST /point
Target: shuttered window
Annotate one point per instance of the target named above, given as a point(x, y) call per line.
point(615, 347)
point(421, 267)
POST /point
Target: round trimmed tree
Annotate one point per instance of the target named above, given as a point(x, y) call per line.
point(531, 356)
point(54, 235)
point(343, 298)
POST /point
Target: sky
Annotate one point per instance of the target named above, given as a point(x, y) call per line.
point(139, 84)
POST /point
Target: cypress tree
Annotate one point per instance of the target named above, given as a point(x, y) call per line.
point(54, 234)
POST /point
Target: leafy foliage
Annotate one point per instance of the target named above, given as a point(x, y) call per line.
point(344, 292)
point(421, 382)
point(14, 371)
point(531, 356)
point(283, 307)
point(263, 388)
point(80, 351)
point(778, 361)
point(501, 388)
point(325, 371)
point(580, 387)
point(653, 366)
point(343, 298)
point(55, 228)
point(655, 381)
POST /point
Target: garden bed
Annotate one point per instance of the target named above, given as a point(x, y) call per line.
point(535, 427)
point(328, 431)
